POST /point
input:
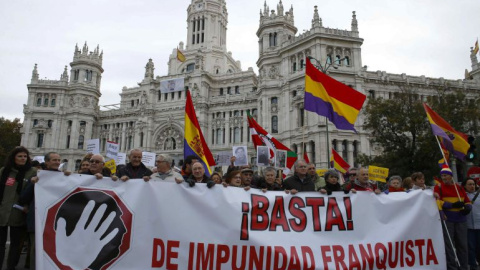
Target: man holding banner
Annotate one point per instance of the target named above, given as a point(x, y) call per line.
point(362, 183)
point(135, 168)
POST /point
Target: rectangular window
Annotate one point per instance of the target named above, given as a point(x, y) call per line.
point(68, 141)
point(40, 140)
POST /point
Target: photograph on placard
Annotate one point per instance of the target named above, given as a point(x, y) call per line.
point(241, 155)
point(262, 156)
point(222, 158)
point(281, 159)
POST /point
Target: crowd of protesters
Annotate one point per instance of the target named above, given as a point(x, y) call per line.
point(459, 209)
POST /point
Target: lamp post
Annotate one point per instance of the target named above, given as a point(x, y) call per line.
point(324, 68)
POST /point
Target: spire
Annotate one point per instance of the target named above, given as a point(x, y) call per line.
point(35, 74)
point(85, 48)
point(317, 21)
point(64, 76)
point(280, 8)
point(354, 22)
point(291, 12)
point(265, 9)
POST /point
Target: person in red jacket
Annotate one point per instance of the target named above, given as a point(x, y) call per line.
point(454, 205)
point(362, 183)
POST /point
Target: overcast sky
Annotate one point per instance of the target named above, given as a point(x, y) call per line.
point(417, 37)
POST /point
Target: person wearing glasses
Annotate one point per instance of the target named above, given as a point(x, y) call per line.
point(164, 171)
point(134, 168)
point(300, 181)
point(97, 168)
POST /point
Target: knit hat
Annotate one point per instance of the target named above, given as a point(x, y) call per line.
point(446, 170)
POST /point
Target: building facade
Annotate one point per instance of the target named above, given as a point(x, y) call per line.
point(61, 115)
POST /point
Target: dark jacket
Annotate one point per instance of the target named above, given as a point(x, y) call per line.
point(331, 188)
point(133, 172)
point(294, 182)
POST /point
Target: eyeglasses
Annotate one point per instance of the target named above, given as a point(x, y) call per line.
point(95, 161)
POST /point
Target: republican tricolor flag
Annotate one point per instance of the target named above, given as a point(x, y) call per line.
point(261, 137)
point(328, 97)
point(194, 143)
point(337, 162)
point(453, 140)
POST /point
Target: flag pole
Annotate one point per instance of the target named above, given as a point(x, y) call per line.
point(454, 180)
point(328, 144)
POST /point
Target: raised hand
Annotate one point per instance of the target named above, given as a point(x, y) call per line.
point(82, 247)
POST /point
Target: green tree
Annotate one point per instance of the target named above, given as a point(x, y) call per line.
point(10, 136)
point(401, 128)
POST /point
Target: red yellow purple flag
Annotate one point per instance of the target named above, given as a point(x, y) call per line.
point(453, 140)
point(194, 143)
point(337, 162)
point(328, 97)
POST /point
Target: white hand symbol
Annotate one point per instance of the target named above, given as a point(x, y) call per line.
point(82, 247)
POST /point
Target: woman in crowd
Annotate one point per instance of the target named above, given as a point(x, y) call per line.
point(407, 183)
point(332, 184)
point(13, 179)
point(418, 181)
point(394, 184)
point(215, 177)
point(473, 223)
point(269, 183)
point(234, 179)
point(84, 166)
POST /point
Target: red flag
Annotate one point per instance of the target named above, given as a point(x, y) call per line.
point(337, 162)
point(305, 157)
point(261, 137)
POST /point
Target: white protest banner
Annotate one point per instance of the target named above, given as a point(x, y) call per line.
point(148, 159)
point(172, 85)
point(121, 159)
point(232, 228)
point(112, 150)
point(93, 146)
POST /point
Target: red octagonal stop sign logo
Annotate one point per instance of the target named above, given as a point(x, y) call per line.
point(87, 229)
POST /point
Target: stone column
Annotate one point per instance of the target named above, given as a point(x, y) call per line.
point(350, 153)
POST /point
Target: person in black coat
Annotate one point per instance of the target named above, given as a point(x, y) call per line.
point(331, 183)
point(300, 181)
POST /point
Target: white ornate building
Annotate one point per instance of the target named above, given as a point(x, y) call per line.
point(62, 114)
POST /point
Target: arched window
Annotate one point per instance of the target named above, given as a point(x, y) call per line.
point(141, 139)
point(274, 124)
point(329, 59)
point(237, 89)
point(347, 61)
point(302, 63)
point(76, 74)
point(170, 144)
point(270, 40)
point(190, 67)
point(80, 142)
point(35, 122)
point(45, 102)
point(275, 39)
point(236, 113)
point(274, 100)
point(39, 102)
point(337, 59)
point(83, 123)
point(294, 66)
point(221, 91)
point(89, 75)
point(49, 123)
point(52, 103)
point(371, 94)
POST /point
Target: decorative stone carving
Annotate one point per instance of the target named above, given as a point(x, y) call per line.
point(85, 102)
point(273, 72)
point(168, 138)
point(274, 108)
